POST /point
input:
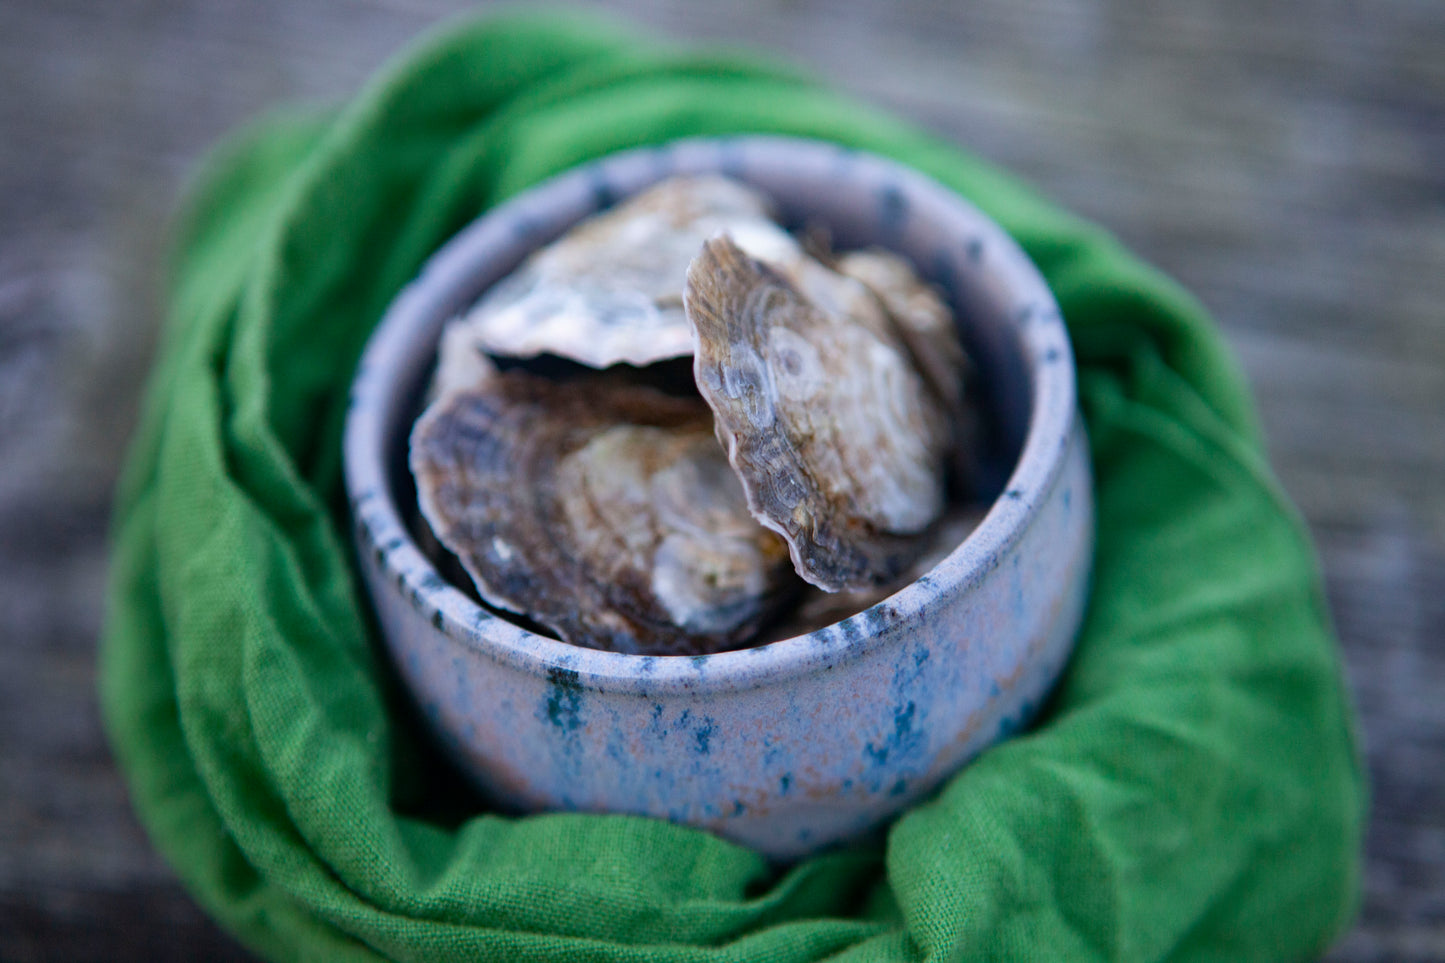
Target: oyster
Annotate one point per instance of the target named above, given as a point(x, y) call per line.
point(605, 511)
point(816, 609)
point(837, 437)
point(926, 325)
point(610, 290)
point(923, 320)
point(461, 364)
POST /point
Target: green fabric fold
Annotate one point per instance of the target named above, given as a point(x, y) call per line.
point(1193, 792)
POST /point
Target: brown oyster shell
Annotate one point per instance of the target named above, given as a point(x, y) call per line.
point(604, 511)
point(836, 436)
point(816, 609)
point(610, 290)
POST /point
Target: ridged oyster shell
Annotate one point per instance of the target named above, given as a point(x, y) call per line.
point(610, 290)
point(816, 609)
point(837, 436)
point(605, 511)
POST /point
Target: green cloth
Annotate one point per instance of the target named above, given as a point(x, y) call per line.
point(1192, 794)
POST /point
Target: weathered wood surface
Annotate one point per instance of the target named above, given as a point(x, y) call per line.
point(1286, 161)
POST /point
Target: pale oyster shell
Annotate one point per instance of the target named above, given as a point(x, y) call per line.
point(607, 512)
point(610, 290)
point(924, 321)
point(461, 363)
point(839, 441)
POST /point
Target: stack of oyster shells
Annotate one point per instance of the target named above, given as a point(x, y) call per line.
point(797, 476)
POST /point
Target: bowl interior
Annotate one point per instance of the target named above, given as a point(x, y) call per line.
point(1008, 322)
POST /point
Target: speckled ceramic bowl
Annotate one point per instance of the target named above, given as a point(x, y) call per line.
point(801, 743)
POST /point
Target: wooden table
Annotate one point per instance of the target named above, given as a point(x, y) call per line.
point(1286, 161)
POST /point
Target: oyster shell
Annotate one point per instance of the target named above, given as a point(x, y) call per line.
point(816, 609)
point(605, 511)
point(838, 440)
point(923, 320)
point(461, 364)
point(610, 290)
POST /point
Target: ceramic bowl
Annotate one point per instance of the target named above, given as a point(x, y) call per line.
point(801, 743)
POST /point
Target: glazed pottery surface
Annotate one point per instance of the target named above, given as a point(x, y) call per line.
point(801, 743)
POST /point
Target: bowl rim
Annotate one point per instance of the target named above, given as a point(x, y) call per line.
point(408, 572)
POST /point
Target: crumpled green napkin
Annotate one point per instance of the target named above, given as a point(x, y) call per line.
point(1193, 792)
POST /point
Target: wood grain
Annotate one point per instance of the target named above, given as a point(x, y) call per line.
point(1285, 161)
